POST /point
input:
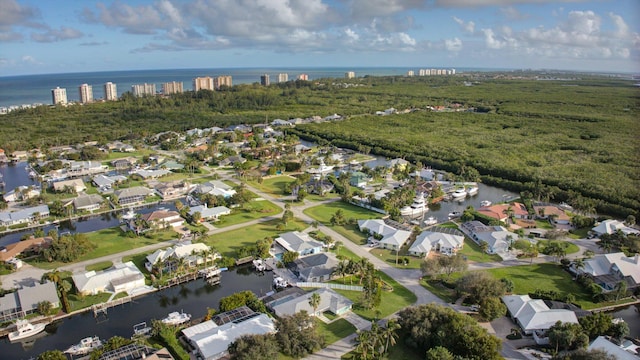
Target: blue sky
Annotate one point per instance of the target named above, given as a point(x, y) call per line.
point(61, 36)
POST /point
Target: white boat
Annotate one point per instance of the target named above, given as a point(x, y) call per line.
point(485, 203)
point(417, 208)
point(280, 283)
point(129, 215)
point(25, 329)
point(85, 346)
point(459, 194)
point(472, 190)
point(141, 329)
point(430, 221)
point(176, 318)
point(454, 214)
point(260, 265)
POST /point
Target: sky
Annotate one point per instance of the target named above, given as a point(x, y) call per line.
point(42, 36)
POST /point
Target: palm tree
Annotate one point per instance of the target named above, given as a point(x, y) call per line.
point(314, 302)
point(620, 289)
point(55, 276)
point(389, 334)
point(484, 246)
point(578, 264)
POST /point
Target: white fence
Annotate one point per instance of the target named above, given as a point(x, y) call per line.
point(328, 285)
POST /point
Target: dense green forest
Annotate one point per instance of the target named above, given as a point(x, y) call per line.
point(568, 140)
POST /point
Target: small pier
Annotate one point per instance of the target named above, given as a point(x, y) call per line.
point(244, 260)
point(101, 309)
point(179, 280)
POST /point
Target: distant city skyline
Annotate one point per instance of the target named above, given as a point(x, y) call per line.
point(42, 37)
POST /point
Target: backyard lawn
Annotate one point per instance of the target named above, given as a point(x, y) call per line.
point(389, 257)
point(336, 330)
point(473, 252)
point(273, 185)
point(111, 241)
point(229, 242)
point(255, 209)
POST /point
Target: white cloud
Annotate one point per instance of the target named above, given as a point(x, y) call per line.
point(491, 41)
point(28, 59)
point(453, 45)
point(53, 35)
point(14, 15)
point(512, 13)
point(469, 27)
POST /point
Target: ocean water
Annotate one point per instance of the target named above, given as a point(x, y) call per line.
point(32, 89)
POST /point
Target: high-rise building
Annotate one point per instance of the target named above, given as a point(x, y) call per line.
point(410, 73)
point(174, 87)
point(264, 80)
point(203, 83)
point(222, 80)
point(422, 72)
point(350, 74)
point(59, 95)
point(86, 93)
point(110, 91)
point(283, 78)
point(453, 71)
point(143, 89)
point(304, 77)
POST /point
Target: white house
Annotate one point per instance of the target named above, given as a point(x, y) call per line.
point(26, 215)
point(298, 242)
point(207, 213)
point(498, 238)
point(611, 226)
point(626, 351)
point(607, 270)
point(216, 188)
point(121, 277)
point(21, 193)
point(190, 252)
point(534, 315)
point(88, 202)
point(77, 185)
point(443, 243)
point(390, 237)
point(329, 301)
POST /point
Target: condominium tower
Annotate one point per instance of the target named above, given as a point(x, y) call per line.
point(203, 83)
point(222, 80)
point(86, 93)
point(174, 87)
point(350, 74)
point(143, 89)
point(304, 77)
point(59, 96)
point(283, 78)
point(264, 80)
point(110, 91)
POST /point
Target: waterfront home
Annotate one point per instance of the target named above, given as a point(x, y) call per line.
point(159, 219)
point(24, 215)
point(397, 163)
point(21, 193)
point(298, 242)
point(330, 301)
point(534, 316)
point(551, 213)
point(132, 195)
point(316, 267)
point(83, 168)
point(207, 213)
point(501, 212)
point(119, 278)
point(106, 183)
point(611, 226)
point(173, 189)
point(75, 185)
point(32, 245)
point(216, 188)
point(387, 236)
point(150, 174)
point(627, 350)
point(443, 243)
point(191, 253)
point(359, 179)
point(88, 202)
point(607, 270)
point(497, 237)
point(210, 341)
point(25, 300)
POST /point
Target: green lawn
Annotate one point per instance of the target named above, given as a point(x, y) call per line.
point(111, 241)
point(571, 249)
point(254, 209)
point(400, 351)
point(103, 265)
point(336, 330)
point(389, 257)
point(544, 224)
point(229, 242)
point(473, 252)
point(323, 213)
point(392, 301)
point(78, 302)
point(439, 290)
point(528, 278)
point(273, 185)
point(579, 233)
point(314, 197)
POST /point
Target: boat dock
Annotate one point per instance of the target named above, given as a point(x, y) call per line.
point(102, 308)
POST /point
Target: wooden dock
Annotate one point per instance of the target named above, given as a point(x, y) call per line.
point(103, 307)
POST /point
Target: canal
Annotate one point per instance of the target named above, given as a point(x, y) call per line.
point(193, 297)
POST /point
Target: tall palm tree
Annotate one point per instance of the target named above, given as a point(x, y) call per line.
point(314, 302)
point(389, 334)
point(56, 276)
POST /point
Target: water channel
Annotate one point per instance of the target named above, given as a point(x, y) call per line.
point(193, 297)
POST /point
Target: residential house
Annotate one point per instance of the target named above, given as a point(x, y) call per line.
point(211, 340)
point(216, 188)
point(359, 179)
point(120, 278)
point(501, 212)
point(170, 190)
point(88, 202)
point(316, 267)
point(607, 270)
point(533, 315)
point(232, 160)
point(330, 301)
point(397, 163)
point(159, 219)
point(171, 165)
point(444, 243)
point(132, 195)
point(497, 237)
point(550, 212)
point(106, 183)
point(83, 168)
point(298, 242)
point(280, 122)
point(21, 193)
point(25, 301)
point(124, 163)
point(611, 226)
point(388, 236)
point(76, 185)
point(191, 253)
point(25, 215)
point(207, 213)
point(150, 174)
point(33, 245)
point(627, 350)
point(120, 147)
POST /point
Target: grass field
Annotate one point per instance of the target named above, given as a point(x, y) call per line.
point(571, 248)
point(324, 213)
point(111, 241)
point(103, 265)
point(389, 257)
point(473, 252)
point(273, 185)
point(229, 242)
point(392, 301)
point(253, 210)
point(336, 330)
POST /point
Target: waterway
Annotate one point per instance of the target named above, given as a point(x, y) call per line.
point(193, 297)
